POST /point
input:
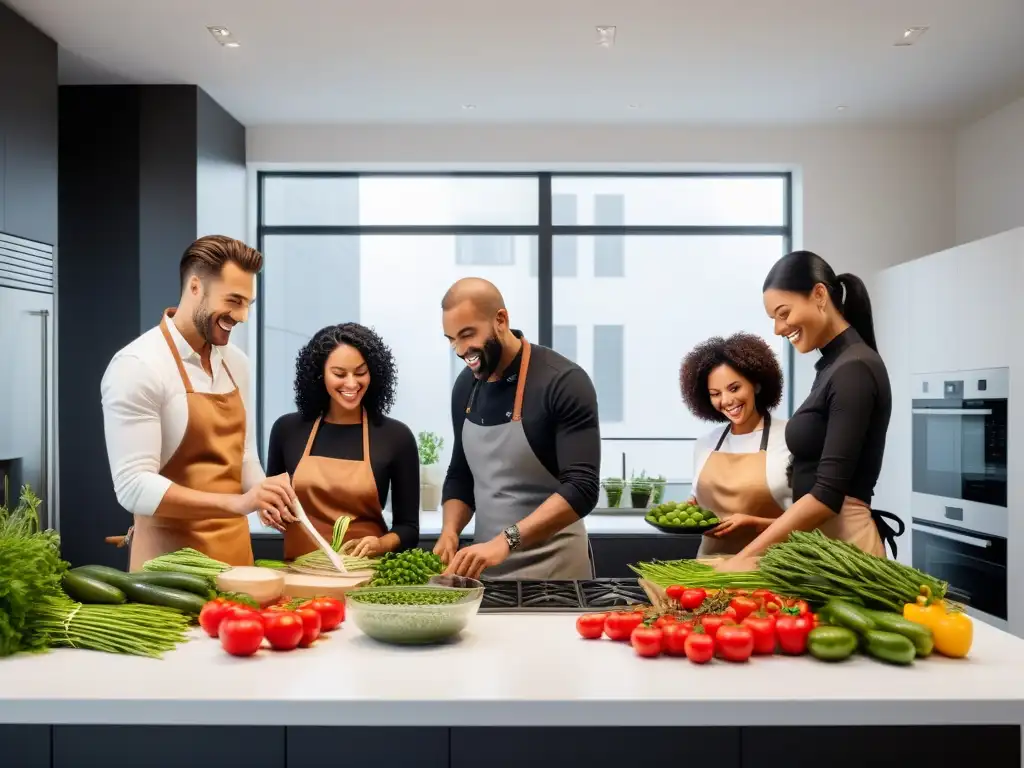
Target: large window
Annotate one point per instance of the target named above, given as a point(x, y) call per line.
point(621, 273)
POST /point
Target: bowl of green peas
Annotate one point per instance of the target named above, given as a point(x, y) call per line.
point(415, 615)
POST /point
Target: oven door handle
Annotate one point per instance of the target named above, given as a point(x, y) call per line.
point(974, 541)
point(952, 411)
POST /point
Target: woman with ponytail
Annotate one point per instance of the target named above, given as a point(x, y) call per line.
point(837, 436)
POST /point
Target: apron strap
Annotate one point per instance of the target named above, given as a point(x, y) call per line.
point(887, 533)
point(228, 371)
point(174, 350)
point(764, 433)
point(517, 408)
point(366, 440)
point(312, 436)
point(721, 440)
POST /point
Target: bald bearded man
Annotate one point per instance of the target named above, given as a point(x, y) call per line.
point(527, 448)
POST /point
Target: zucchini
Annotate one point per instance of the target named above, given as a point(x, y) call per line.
point(141, 592)
point(186, 582)
point(918, 634)
point(85, 589)
point(847, 615)
point(831, 643)
point(889, 647)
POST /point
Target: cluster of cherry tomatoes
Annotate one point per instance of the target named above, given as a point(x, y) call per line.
point(758, 624)
point(286, 625)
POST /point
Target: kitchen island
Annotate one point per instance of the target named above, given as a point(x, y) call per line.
point(515, 689)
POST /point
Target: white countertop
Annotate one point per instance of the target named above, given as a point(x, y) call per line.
point(514, 670)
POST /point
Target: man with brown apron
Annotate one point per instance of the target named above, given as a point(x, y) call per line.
point(329, 488)
point(526, 452)
point(179, 440)
point(736, 484)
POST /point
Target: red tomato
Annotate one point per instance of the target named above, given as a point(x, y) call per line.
point(332, 612)
point(700, 648)
point(235, 611)
point(772, 608)
point(673, 638)
point(674, 592)
point(792, 633)
point(283, 630)
point(665, 620)
point(620, 624)
point(646, 641)
point(241, 636)
point(743, 606)
point(212, 615)
point(712, 623)
point(590, 625)
point(730, 613)
point(763, 629)
point(310, 626)
point(735, 643)
point(691, 599)
point(764, 596)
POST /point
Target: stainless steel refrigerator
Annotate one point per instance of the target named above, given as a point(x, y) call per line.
point(27, 366)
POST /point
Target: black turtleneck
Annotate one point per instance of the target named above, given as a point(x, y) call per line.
point(837, 436)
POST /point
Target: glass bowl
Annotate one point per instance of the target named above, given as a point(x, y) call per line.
point(414, 623)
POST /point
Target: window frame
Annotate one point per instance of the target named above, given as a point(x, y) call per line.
point(544, 231)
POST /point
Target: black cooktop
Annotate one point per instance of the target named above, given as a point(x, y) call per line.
point(560, 596)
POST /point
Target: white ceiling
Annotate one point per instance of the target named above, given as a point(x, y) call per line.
point(532, 61)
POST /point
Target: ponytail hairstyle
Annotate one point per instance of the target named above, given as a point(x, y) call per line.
point(800, 271)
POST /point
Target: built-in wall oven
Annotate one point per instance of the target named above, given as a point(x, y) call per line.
point(959, 480)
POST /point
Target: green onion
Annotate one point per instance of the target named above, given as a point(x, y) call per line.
point(188, 560)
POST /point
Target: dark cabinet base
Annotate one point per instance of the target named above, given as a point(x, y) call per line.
point(117, 746)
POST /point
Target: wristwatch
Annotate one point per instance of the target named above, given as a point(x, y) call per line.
point(511, 535)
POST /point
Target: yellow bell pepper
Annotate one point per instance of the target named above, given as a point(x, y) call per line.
point(921, 612)
point(954, 634)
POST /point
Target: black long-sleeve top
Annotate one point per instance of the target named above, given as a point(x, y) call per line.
point(837, 437)
point(394, 459)
point(559, 418)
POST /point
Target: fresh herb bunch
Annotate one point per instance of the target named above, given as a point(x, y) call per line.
point(430, 446)
point(30, 572)
point(407, 569)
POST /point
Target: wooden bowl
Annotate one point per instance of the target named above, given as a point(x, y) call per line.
point(264, 585)
point(307, 585)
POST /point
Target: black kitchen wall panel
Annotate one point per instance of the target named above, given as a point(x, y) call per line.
point(28, 130)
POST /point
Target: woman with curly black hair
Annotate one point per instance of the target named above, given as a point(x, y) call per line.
point(739, 472)
point(342, 450)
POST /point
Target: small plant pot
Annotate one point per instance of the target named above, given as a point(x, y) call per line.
point(658, 494)
point(640, 499)
point(614, 497)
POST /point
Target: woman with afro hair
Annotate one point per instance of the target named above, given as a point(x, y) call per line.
point(740, 470)
point(341, 449)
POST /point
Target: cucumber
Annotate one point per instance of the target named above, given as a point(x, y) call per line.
point(848, 615)
point(918, 634)
point(142, 592)
point(889, 647)
point(831, 643)
point(186, 582)
point(86, 589)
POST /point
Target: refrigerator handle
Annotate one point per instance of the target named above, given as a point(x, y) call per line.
point(44, 442)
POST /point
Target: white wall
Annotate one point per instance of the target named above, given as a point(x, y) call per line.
point(990, 174)
point(956, 310)
point(866, 198)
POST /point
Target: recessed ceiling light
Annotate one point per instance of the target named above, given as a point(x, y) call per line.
point(841, 108)
point(910, 36)
point(223, 37)
point(606, 36)
point(469, 107)
point(634, 106)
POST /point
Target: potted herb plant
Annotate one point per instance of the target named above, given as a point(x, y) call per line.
point(613, 490)
point(640, 490)
point(658, 492)
point(430, 446)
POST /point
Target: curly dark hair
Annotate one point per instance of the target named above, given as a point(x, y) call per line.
point(748, 354)
point(311, 397)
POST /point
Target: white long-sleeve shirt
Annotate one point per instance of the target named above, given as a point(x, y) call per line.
point(145, 412)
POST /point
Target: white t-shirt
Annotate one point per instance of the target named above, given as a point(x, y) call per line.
point(776, 463)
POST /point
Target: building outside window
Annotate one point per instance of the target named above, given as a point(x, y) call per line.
point(633, 271)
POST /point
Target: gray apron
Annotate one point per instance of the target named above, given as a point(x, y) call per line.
point(509, 483)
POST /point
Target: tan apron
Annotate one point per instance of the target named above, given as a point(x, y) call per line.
point(736, 483)
point(855, 524)
point(209, 459)
point(329, 488)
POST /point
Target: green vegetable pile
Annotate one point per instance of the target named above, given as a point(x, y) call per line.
point(30, 572)
point(679, 514)
point(412, 567)
point(438, 596)
point(188, 560)
point(883, 635)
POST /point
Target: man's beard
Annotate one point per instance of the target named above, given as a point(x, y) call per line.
point(204, 321)
point(490, 357)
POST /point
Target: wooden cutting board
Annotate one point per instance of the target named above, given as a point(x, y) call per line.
point(306, 585)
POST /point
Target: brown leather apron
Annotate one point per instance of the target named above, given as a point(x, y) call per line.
point(209, 459)
point(329, 488)
point(736, 483)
